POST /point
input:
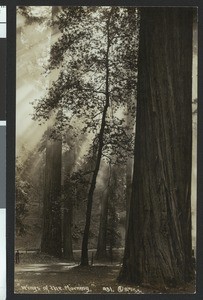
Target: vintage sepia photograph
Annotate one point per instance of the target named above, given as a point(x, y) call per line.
point(106, 150)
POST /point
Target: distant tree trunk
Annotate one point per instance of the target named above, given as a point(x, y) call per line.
point(67, 228)
point(51, 237)
point(128, 185)
point(101, 253)
point(69, 199)
point(112, 227)
point(84, 254)
point(158, 244)
point(51, 242)
point(112, 222)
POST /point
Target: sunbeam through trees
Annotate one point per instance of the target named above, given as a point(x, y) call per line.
point(104, 177)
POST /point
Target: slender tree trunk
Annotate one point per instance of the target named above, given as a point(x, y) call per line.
point(51, 237)
point(84, 254)
point(101, 253)
point(158, 244)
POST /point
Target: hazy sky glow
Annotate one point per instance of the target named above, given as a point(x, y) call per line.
point(33, 48)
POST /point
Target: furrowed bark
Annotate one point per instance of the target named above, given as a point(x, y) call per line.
point(158, 245)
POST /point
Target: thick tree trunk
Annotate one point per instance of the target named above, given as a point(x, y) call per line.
point(158, 244)
point(84, 254)
point(51, 237)
point(101, 253)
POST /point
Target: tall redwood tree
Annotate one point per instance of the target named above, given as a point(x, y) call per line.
point(158, 246)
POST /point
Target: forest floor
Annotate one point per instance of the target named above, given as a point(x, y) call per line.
point(47, 275)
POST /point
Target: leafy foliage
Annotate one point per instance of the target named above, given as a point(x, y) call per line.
point(22, 189)
point(22, 196)
point(96, 55)
point(28, 186)
point(79, 92)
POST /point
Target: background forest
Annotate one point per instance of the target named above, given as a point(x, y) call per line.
point(76, 118)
